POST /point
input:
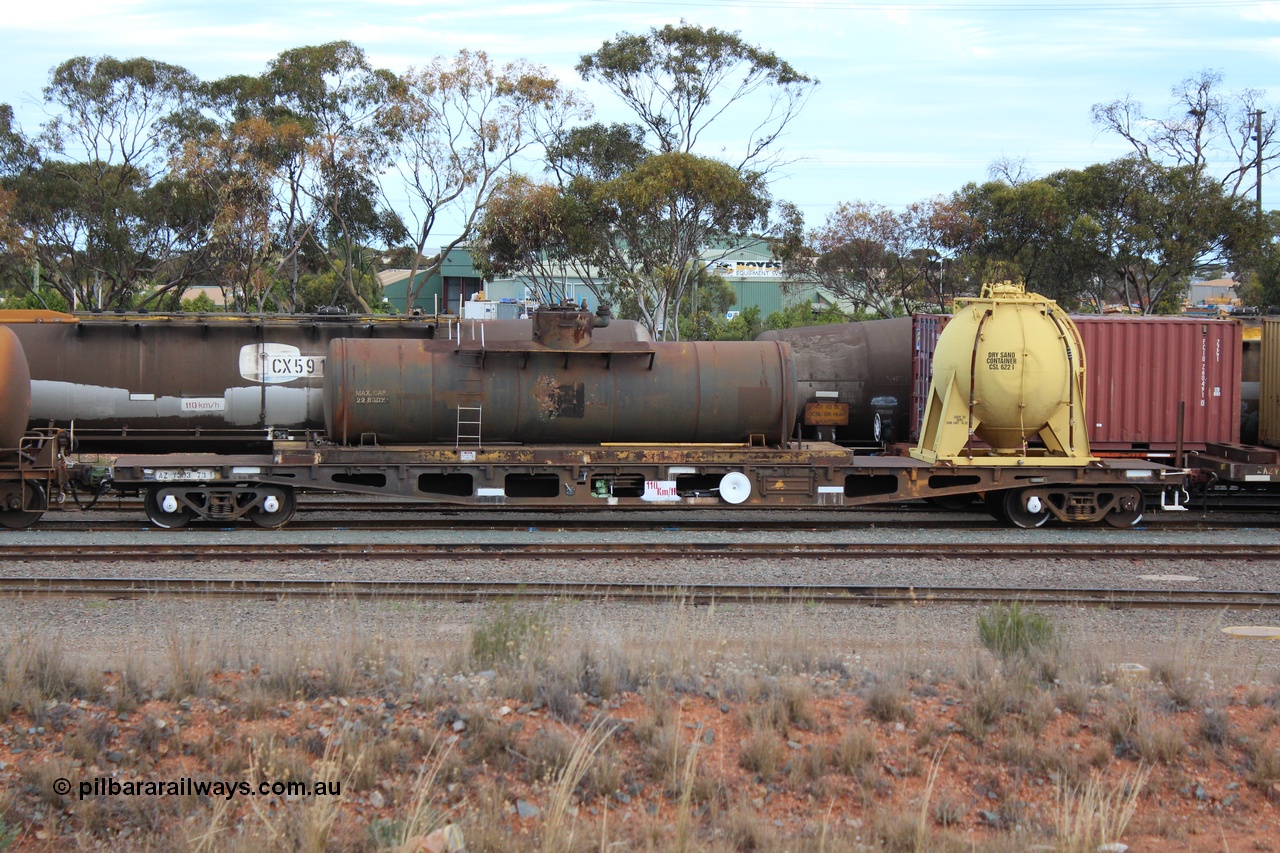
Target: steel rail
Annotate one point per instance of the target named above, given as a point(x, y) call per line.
point(698, 594)
point(81, 523)
point(205, 551)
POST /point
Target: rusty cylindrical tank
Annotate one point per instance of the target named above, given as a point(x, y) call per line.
point(865, 366)
point(408, 392)
point(229, 377)
point(15, 390)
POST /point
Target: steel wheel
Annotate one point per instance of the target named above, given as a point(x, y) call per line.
point(12, 516)
point(1025, 509)
point(1128, 509)
point(164, 509)
point(993, 502)
point(273, 507)
point(953, 503)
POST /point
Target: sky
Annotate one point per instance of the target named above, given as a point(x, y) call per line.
point(916, 97)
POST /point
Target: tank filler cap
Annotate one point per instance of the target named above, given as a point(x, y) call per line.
point(1008, 291)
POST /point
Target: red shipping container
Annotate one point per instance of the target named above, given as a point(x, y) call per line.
point(1140, 368)
point(925, 331)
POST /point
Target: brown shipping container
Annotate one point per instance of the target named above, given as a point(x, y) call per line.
point(1140, 368)
point(1269, 384)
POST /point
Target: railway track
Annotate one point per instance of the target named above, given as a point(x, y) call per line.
point(696, 594)
point(610, 522)
point(262, 551)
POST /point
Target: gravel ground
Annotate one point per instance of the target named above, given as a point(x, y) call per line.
point(112, 633)
point(107, 630)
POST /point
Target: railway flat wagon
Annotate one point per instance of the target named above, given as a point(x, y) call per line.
point(563, 420)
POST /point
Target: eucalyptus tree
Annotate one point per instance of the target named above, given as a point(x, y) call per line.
point(537, 232)
point(1205, 129)
point(544, 232)
point(683, 83)
point(17, 156)
point(878, 260)
point(681, 79)
point(93, 201)
point(458, 125)
point(1151, 227)
point(1012, 224)
point(1130, 230)
point(342, 100)
point(651, 226)
point(241, 166)
point(308, 135)
point(255, 161)
point(632, 229)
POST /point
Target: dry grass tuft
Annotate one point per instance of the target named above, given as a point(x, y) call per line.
point(762, 754)
point(1097, 814)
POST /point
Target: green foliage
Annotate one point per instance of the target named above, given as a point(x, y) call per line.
point(1013, 631)
point(201, 304)
point(1263, 286)
point(799, 314)
point(318, 290)
point(1126, 231)
point(597, 152)
point(46, 298)
point(646, 229)
point(506, 636)
point(744, 327)
point(702, 315)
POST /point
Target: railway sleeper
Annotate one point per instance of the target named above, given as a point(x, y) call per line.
point(174, 506)
point(1118, 506)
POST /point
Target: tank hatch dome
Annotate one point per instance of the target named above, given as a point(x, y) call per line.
point(567, 326)
point(1008, 384)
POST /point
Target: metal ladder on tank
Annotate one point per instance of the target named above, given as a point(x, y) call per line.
point(470, 386)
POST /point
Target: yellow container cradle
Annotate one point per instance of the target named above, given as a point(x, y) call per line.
point(1008, 384)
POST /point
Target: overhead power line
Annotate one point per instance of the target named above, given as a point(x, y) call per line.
point(984, 6)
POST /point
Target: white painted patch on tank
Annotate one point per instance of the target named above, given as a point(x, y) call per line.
point(274, 364)
point(283, 406)
point(63, 402)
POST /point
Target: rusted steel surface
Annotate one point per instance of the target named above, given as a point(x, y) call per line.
point(404, 392)
point(1140, 368)
point(865, 365)
point(563, 329)
point(167, 376)
point(593, 476)
point(15, 389)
